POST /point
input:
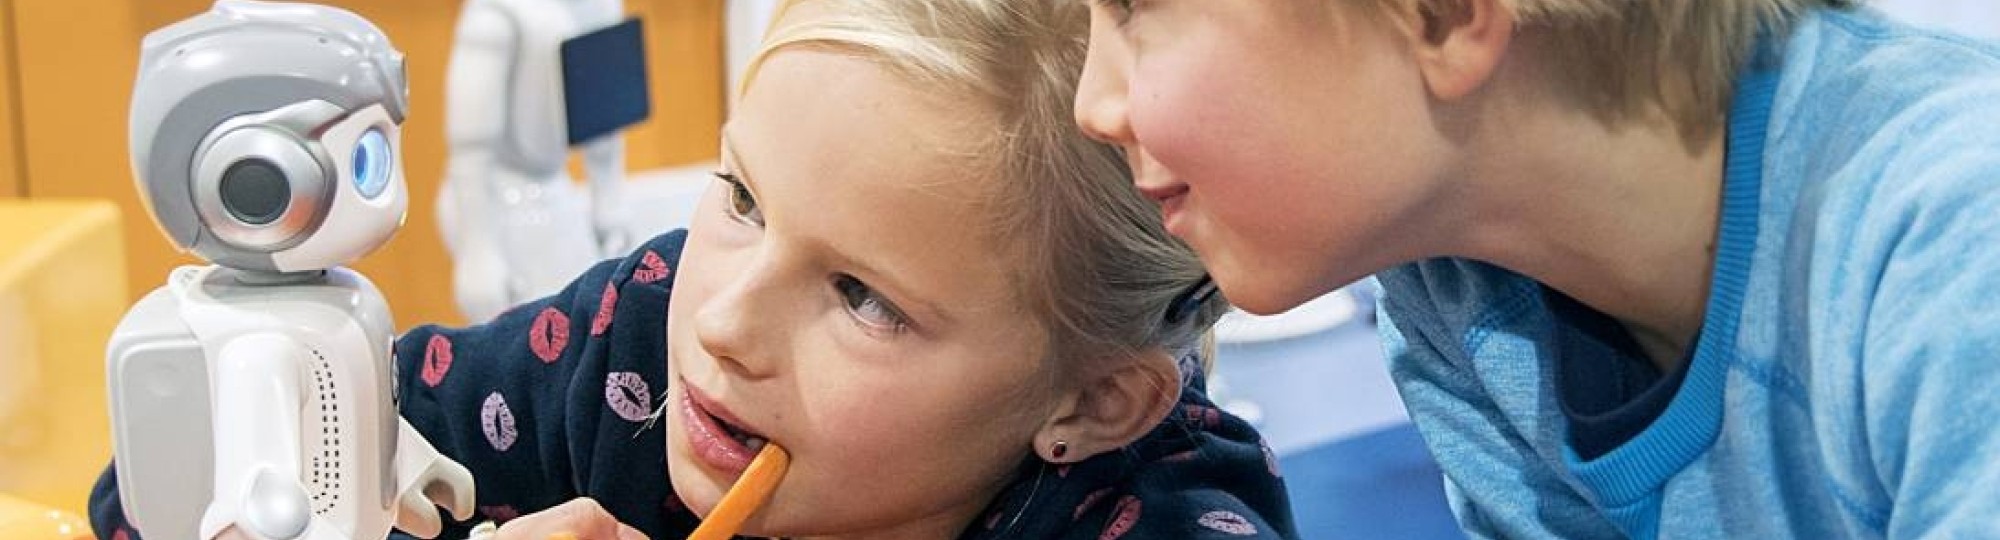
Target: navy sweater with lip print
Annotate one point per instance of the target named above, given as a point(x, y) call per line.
point(554, 400)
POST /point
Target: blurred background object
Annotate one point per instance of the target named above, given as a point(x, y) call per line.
point(25, 520)
point(1978, 18)
point(67, 68)
point(530, 81)
point(62, 290)
point(1314, 381)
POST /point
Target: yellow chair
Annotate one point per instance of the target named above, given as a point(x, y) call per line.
point(23, 520)
point(62, 291)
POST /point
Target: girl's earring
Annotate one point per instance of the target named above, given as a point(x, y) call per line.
point(1059, 450)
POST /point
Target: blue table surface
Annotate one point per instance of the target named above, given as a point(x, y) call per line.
point(1353, 464)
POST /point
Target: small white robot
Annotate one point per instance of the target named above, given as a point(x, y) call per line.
point(529, 80)
point(254, 397)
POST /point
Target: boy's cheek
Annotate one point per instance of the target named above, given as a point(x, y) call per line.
point(1187, 111)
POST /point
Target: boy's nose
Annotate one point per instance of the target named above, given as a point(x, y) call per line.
point(1102, 109)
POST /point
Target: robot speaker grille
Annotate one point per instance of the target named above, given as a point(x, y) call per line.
point(326, 463)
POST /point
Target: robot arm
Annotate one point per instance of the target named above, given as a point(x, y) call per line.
point(257, 380)
point(476, 113)
point(604, 162)
point(476, 107)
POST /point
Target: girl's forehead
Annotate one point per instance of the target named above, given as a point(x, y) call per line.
point(839, 113)
point(846, 155)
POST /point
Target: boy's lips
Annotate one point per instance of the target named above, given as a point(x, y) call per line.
point(717, 436)
point(1163, 192)
point(1170, 196)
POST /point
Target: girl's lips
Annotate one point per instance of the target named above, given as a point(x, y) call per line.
point(711, 441)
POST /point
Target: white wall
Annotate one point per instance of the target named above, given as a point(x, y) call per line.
point(1972, 17)
point(747, 20)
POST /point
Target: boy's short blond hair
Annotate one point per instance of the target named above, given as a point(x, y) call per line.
point(1623, 57)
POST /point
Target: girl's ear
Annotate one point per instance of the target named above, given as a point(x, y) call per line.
point(1460, 44)
point(1111, 408)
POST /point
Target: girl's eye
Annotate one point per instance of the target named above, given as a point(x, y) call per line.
point(868, 305)
point(742, 203)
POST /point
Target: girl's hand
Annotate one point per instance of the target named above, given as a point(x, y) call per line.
point(582, 519)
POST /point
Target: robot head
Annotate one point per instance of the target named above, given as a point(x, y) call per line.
point(265, 136)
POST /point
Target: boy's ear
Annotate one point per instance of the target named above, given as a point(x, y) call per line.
point(1111, 408)
point(1460, 43)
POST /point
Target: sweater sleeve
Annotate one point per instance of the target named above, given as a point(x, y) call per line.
point(555, 398)
point(1931, 352)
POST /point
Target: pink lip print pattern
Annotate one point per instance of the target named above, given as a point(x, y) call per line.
point(549, 335)
point(1122, 519)
point(437, 359)
point(1089, 501)
point(1227, 522)
point(651, 269)
point(498, 422)
point(1201, 417)
point(602, 321)
point(626, 393)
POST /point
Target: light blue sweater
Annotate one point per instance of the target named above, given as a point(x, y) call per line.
point(1846, 383)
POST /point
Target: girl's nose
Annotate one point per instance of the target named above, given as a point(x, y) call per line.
point(737, 327)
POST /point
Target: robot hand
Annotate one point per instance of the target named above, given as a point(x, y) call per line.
point(604, 161)
point(426, 480)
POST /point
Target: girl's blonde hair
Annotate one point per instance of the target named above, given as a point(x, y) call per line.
point(1623, 56)
point(1100, 271)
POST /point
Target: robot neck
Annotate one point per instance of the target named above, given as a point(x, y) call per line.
point(265, 277)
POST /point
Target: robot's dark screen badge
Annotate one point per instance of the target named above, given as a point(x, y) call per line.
point(604, 80)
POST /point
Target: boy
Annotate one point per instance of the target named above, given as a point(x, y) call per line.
point(1653, 268)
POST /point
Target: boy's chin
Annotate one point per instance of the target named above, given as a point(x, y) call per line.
point(1257, 293)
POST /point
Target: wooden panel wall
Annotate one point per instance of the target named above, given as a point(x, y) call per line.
point(12, 183)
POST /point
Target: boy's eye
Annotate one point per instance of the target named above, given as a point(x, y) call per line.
point(868, 305)
point(1120, 9)
point(742, 203)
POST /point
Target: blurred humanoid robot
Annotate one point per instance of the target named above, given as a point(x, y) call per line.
point(528, 80)
point(255, 396)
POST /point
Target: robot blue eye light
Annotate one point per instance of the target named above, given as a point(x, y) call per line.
point(371, 163)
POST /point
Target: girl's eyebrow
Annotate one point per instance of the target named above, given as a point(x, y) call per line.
point(735, 160)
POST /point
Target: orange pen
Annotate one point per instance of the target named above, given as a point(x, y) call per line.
point(744, 498)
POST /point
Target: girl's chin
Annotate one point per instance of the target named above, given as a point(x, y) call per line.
point(693, 487)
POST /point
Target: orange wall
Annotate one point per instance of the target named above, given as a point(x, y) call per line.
point(77, 59)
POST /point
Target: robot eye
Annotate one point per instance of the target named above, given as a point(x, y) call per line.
point(371, 163)
point(255, 191)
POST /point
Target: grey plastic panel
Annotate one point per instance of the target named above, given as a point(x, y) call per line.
point(159, 378)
